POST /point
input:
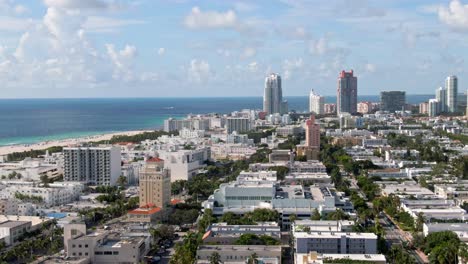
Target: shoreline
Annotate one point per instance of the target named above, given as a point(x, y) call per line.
point(4, 150)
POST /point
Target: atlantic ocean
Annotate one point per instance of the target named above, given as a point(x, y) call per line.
point(27, 121)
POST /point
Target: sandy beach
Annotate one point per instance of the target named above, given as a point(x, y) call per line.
point(65, 142)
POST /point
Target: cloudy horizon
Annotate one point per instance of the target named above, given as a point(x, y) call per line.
point(183, 48)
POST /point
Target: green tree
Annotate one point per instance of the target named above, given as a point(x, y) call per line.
point(44, 180)
point(122, 181)
point(215, 258)
point(316, 215)
point(444, 253)
point(338, 215)
point(419, 222)
point(292, 218)
point(281, 171)
point(437, 238)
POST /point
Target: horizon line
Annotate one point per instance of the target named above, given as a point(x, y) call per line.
point(172, 97)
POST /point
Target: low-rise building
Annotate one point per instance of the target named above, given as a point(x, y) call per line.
point(104, 246)
point(239, 254)
point(12, 231)
point(224, 234)
point(315, 258)
point(335, 242)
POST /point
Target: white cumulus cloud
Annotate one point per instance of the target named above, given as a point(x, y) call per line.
point(370, 67)
point(290, 66)
point(199, 71)
point(455, 15)
point(249, 52)
point(319, 47)
point(161, 51)
point(198, 19)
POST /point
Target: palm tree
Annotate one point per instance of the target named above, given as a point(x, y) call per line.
point(253, 259)
point(315, 215)
point(337, 215)
point(292, 218)
point(419, 222)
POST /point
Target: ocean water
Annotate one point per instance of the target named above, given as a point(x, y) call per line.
point(26, 121)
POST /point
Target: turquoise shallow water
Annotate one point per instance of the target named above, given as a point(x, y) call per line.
point(27, 121)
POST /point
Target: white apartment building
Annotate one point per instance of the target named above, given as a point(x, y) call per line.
point(232, 151)
point(236, 138)
point(315, 258)
point(191, 133)
point(92, 165)
point(222, 233)
point(316, 103)
point(239, 124)
point(322, 226)
point(11, 231)
point(8, 207)
point(54, 195)
point(191, 122)
point(184, 164)
point(335, 242)
point(236, 254)
point(457, 191)
point(290, 130)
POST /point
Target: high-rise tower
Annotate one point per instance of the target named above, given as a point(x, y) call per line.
point(392, 101)
point(346, 99)
point(451, 85)
point(273, 97)
point(441, 96)
point(316, 103)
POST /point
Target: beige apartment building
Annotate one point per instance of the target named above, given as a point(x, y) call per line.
point(155, 184)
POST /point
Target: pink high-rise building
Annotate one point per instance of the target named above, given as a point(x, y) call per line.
point(312, 133)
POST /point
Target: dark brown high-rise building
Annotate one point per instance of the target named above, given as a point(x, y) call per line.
point(346, 98)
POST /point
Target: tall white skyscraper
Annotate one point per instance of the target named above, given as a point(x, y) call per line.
point(316, 103)
point(451, 85)
point(273, 97)
point(441, 96)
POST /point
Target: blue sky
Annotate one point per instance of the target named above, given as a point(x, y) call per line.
point(182, 48)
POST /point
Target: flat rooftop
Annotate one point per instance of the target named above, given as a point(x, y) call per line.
point(12, 224)
point(239, 248)
point(335, 235)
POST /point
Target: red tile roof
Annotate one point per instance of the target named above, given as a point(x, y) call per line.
point(154, 160)
point(144, 211)
point(176, 201)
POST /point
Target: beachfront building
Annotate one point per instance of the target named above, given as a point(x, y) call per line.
point(92, 165)
point(238, 124)
point(316, 103)
point(190, 122)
